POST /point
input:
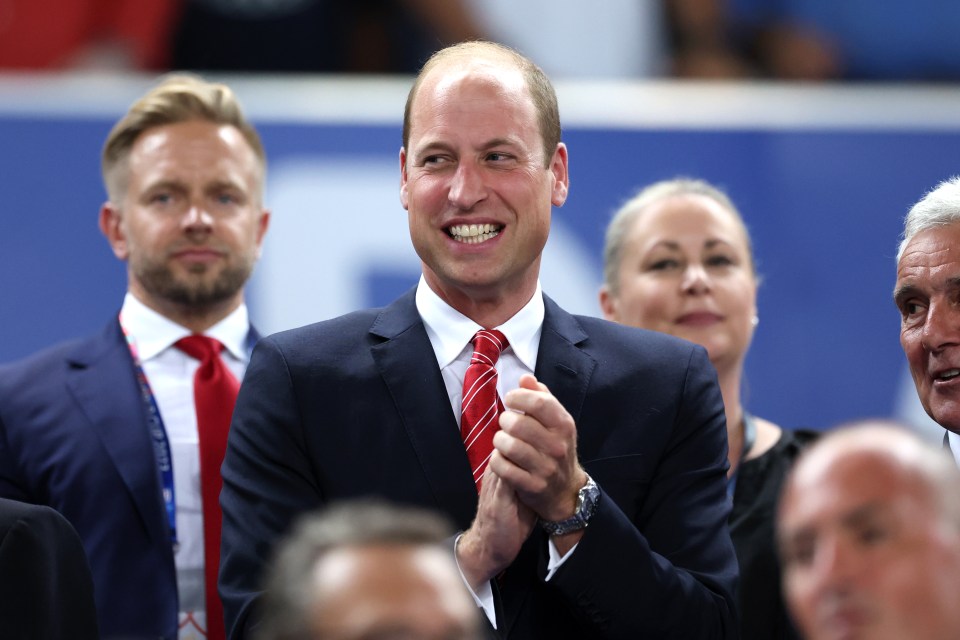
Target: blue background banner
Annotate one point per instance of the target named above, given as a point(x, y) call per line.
point(822, 177)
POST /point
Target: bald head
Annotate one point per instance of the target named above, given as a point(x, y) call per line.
point(459, 57)
point(869, 535)
point(883, 448)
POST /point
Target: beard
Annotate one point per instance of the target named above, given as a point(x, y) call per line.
point(197, 290)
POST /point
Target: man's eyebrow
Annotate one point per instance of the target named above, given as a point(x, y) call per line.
point(171, 184)
point(499, 142)
point(907, 290)
point(903, 292)
point(864, 514)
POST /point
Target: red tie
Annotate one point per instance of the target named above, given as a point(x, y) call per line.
point(481, 405)
point(214, 392)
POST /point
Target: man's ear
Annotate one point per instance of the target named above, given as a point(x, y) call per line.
point(262, 226)
point(403, 177)
point(561, 176)
point(111, 225)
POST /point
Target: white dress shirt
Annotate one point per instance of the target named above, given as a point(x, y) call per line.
point(954, 441)
point(169, 372)
point(450, 334)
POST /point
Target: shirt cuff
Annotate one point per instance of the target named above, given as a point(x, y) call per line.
point(483, 597)
point(556, 561)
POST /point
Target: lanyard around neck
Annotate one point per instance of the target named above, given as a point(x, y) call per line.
point(158, 436)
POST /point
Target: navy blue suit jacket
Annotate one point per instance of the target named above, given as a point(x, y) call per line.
point(73, 435)
point(356, 406)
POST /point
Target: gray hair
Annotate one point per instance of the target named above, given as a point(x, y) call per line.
point(624, 218)
point(938, 208)
point(288, 596)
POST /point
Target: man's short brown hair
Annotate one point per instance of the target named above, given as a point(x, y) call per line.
point(177, 98)
point(538, 84)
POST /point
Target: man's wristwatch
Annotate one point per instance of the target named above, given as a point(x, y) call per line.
point(586, 506)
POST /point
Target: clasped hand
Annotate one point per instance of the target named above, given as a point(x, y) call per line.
point(533, 472)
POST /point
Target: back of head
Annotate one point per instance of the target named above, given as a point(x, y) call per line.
point(177, 98)
point(938, 207)
point(322, 559)
point(541, 89)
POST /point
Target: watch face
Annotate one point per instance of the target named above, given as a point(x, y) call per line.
point(586, 506)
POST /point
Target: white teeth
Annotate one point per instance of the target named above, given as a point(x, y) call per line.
point(474, 233)
point(951, 373)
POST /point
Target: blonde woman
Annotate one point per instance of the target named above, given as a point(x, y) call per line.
point(678, 259)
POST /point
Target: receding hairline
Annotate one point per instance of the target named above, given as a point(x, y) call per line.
point(469, 53)
point(539, 90)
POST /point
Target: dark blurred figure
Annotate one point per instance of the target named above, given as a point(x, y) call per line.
point(699, 41)
point(817, 39)
point(375, 36)
point(46, 590)
point(86, 34)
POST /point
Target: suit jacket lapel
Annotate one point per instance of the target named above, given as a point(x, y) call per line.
point(409, 368)
point(102, 379)
point(561, 364)
point(566, 370)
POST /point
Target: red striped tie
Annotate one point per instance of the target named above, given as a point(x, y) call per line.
point(481, 405)
point(215, 392)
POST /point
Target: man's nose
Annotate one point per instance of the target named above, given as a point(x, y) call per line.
point(467, 187)
point(941, 327)
point(835, 566)
point(197, 217)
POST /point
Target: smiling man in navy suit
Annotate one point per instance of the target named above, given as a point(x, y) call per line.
point(601, 512)
point(104, 429)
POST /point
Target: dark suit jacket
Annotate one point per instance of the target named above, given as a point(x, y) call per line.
point(46, 591)
point(356, 406)
point(73, 436)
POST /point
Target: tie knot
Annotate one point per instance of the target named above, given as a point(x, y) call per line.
point(488, 344)
point(202, 348)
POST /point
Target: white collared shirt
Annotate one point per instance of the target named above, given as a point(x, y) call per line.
point(170, 374)
point(954, 441)
point(450, 333)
